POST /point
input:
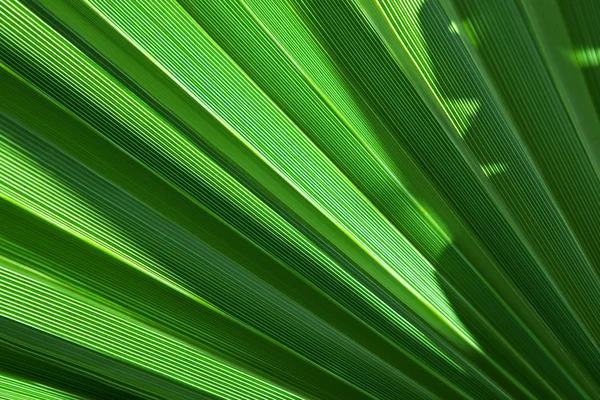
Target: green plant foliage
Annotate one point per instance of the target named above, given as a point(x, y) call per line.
point(300, 199)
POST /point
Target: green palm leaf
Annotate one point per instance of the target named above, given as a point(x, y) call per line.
point(284, 199)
